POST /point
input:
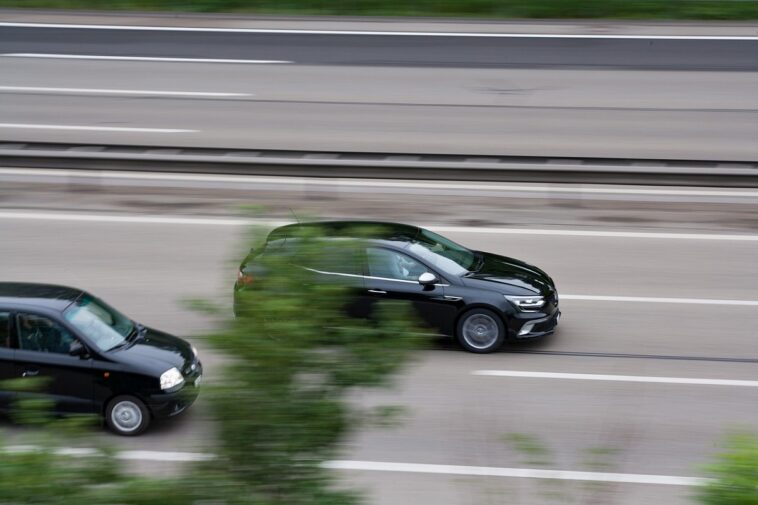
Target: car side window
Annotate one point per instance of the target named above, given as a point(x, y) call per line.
point(334, 258)
point(5, 333)
point(393, 265)
point(39, 333)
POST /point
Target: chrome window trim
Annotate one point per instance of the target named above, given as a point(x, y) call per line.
point(368, 277)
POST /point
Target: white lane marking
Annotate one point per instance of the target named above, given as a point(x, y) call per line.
point(382, 466)
point(528, 473)
point(93, 128)
point(164, 456)
point(645, 299)
point(596, 233)
point(616, 378)
point(382, 33)
point(314, 181)
point(139, 58)
point(102, 218)
point(79, 452)
point(121, 91)
point(211, 221)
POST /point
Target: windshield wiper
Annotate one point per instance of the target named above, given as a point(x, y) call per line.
point(118, 346)
point(479, 261)
point(137, 333)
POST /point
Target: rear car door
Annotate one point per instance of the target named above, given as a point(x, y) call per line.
point(393, 275)
point(43, 351)
point(341, 264)
point(6, 359)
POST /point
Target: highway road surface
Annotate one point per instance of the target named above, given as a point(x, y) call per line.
point(501, 90)
point(655, 360)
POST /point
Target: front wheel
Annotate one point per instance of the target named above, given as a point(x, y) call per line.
point(127, 416)
point(481, 331)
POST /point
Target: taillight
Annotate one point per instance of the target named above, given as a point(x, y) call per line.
point(244, 279)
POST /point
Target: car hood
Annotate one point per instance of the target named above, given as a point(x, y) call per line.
point(157, 352)
point(515, 276)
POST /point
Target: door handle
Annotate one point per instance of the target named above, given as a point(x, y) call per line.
point(30, 373)
point(377, 291)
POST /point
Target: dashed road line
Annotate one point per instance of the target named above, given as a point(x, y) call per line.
point(387, 466)
point(141, 92)
point(615, 378)
point(28, 126)
point(141, 58)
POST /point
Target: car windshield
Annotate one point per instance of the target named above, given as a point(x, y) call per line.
point(443, 253)
point(103, 326)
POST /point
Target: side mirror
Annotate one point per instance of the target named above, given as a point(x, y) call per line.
point(427, 279)
point(77, 349)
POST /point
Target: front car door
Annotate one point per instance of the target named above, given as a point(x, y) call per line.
point(7, 370)
point(43, 351)
point(393, 275)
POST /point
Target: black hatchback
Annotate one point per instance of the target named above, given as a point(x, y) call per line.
point(95, 360)
point(480, 298)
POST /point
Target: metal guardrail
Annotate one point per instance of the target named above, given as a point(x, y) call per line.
point(380, 165)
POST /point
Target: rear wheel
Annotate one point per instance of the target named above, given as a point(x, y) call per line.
point(481, 331)
point(127, 416)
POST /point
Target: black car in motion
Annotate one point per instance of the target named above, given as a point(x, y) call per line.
point(95, 360)
point(480, 298)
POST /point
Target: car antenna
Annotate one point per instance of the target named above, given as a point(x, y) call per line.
point(293, 213)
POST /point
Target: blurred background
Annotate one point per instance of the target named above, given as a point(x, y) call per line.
point(614, 144)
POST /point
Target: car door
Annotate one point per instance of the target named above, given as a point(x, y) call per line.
point(43, 351)
point(341, 264)
point(7, 371)
point(393, 275)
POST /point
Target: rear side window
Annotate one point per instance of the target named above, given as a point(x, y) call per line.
point(329, 256)
point(336, 258)
point(5, 334)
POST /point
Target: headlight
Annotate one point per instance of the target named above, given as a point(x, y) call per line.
point(171, 378)
point(527, 303)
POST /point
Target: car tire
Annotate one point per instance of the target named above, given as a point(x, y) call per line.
point(127, 416)
point(481, 331)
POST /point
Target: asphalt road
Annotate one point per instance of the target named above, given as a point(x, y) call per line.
point(452, 416)
point(630, 98)
point(392, 50)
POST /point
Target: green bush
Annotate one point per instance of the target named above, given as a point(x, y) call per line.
point(735, 474)
point(280, 404)
point(294, 355)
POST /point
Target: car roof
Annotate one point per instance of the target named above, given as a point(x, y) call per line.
point(26, 294)
point(379, 231)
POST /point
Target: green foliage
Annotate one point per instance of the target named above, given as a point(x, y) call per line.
point(35, 471)
point(295, 355)
point(292, 356)
point(566, 9)
point(734, 474)
point(39, 476)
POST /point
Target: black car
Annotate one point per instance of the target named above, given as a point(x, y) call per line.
point(96, 360)
point(480, 298)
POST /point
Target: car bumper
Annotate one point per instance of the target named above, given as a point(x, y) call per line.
point(538, 325)
point(164, 405)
